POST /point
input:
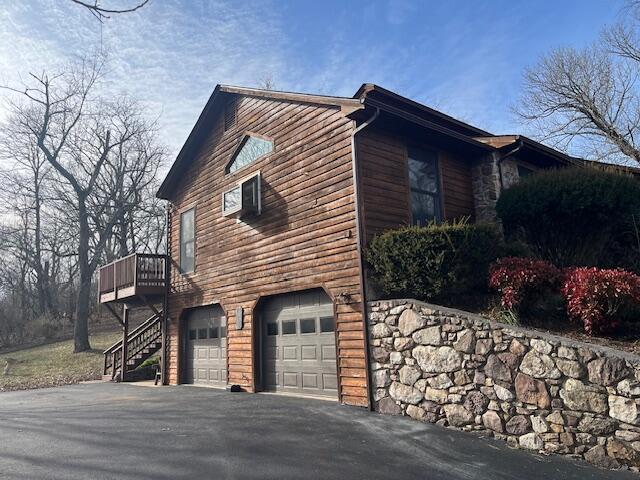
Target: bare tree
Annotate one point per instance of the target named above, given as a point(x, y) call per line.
point(267, 82)
point(24, 185)
point(103, 154)
point(103, 13)
point(587, 100)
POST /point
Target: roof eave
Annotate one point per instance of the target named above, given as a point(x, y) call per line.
point(169, 178)
point(367, 88)
point(427, 124)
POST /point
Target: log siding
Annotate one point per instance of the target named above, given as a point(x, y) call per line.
point(385, 190)
point(304, 238)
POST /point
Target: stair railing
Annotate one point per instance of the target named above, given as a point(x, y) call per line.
point(143, 336)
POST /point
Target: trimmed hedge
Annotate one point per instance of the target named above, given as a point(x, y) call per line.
point(576, 217)
point(435, 261)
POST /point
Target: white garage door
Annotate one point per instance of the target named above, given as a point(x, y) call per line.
point(206, 347)
point(298, 344)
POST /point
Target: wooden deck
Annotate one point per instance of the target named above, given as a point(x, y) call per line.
point(139, 275)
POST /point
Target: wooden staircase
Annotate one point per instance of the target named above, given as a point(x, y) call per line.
point(142, 342)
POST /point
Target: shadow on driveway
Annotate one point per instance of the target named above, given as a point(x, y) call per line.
point(116, 431)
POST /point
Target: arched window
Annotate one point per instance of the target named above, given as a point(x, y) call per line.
point(251, 148)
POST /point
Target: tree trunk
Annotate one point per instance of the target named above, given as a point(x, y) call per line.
point(81, 326)
point(40, 279)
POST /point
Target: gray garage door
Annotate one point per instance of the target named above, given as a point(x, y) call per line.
point(298, 344)
point(206, 347)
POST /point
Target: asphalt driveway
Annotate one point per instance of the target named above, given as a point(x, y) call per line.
point(110, 431)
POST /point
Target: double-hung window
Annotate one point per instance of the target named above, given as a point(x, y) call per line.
point(188, 241)
point(425, 186)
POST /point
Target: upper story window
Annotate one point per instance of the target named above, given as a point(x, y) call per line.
point(524, 171)
point(425, 186)
point(251, 149)
point(188, 241)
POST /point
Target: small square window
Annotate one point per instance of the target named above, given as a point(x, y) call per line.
point(272, 329)
point(202, 333)
point(307, 325)
point(232, 200)
point(213, 332)
point(289, 327)
point(193, 334)
point(327, 324)
point(524, 171)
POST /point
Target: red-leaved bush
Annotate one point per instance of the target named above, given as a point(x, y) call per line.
point(521, 279)
point(595, 296)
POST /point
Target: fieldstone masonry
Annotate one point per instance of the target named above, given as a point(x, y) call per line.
point(536, 391)
point(488, 177)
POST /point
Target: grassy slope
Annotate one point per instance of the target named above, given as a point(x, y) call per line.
point(55, 364)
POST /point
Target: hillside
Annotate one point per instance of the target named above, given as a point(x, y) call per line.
point(55, 364)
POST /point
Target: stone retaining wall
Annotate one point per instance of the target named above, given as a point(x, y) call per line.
point(536, 391)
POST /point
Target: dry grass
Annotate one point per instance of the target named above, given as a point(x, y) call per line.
point(55, 364)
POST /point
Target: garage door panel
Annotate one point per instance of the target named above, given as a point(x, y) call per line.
point(310, 380)
point(201, 353)
point(329, 382)
point(290, 353)
point(206, 347)
point(309, 352)
point(290, 379)
point(328, 353)
point(298, 346)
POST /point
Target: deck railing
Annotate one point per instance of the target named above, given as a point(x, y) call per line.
point(142, 273)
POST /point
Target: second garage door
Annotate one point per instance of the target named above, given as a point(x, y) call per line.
point(298, 344)
point(206, 347)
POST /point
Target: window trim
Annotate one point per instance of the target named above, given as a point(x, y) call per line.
point(195, 237)
point(239, 210)
point(236, 209)
point(239, 146)
point(438, 196)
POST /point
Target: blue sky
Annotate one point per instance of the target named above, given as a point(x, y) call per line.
point(462, 57)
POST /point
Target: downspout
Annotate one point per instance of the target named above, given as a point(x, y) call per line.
point(167, 286)
point(504, 156)
point(360, 240)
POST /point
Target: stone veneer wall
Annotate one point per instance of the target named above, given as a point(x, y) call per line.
point(536, 391)
point(485, 182)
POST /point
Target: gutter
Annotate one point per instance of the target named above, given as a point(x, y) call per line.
point(360, 240)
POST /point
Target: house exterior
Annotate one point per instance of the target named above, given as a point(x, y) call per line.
point(272, 200)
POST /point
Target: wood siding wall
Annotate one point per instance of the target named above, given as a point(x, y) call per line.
point(382, 159)
point(304, 238)
point(455, 177)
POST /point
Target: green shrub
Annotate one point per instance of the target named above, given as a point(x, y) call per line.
point(575, 216)
point(149, 362)
point(434, 262)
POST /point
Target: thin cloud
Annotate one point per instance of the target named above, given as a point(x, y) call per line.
point(168, 55)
